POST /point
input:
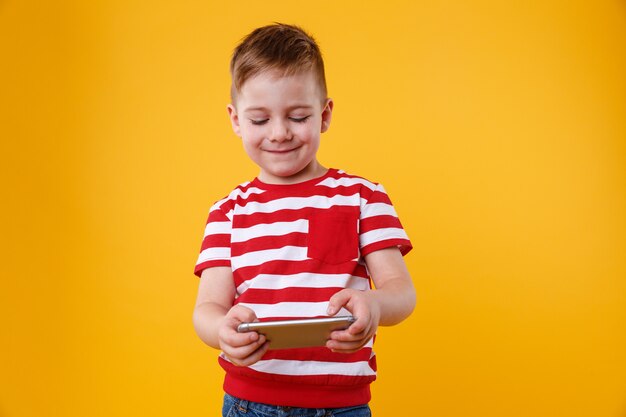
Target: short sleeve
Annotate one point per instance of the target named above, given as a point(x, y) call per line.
point(379, 225)
point(215, 250)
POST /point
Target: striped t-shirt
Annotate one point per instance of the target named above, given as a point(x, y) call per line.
point(291, 247)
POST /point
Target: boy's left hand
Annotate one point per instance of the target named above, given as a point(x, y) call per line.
point(363, 306)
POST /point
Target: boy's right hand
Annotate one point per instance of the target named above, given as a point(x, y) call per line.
point(242, 349)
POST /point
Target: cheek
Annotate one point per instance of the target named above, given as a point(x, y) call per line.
point(307, 132)
point(250, 147)
point(252, 138)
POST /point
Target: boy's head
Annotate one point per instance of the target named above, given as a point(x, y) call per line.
point(279, 48)
point(279, 106)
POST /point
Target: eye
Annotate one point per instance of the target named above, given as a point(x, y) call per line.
point(258, 122)
point(299, 119)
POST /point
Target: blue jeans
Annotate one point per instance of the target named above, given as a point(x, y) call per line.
point(234, 407)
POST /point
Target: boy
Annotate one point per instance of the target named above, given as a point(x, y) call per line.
point(300, 240)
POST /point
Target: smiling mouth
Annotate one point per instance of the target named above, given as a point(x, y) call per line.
point(280, 150)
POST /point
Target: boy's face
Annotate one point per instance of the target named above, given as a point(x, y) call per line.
point(280, 119)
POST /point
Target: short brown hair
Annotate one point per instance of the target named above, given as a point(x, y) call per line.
point(284, 48)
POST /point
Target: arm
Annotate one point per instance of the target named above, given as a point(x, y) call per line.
point(216, 319)
point(392, 301)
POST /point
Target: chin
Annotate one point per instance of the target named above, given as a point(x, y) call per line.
point(286, 173)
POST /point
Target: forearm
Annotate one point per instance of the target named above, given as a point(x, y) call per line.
point(395, 300)
point(207, 318)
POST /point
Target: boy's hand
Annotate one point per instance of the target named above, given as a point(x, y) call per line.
point(364, 307)
point(242, 349)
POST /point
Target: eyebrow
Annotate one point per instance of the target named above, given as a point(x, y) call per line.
point(295, 106)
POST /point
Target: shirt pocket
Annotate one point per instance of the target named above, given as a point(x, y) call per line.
point(333, 235)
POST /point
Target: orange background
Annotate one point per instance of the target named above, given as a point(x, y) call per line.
point(498, 129)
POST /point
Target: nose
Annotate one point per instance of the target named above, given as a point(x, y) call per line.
point(280, 131)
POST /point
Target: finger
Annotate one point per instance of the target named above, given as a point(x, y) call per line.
point(241, 352)
point(362, 323)
point(235, 339)
point(348, 336)
point(231, 336)
point(242, 314)
point(344, 341)
point(337, 301)
point(346, 347)
point(253, 357)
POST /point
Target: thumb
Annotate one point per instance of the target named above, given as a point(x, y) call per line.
point(337, 301)
point(243, 314)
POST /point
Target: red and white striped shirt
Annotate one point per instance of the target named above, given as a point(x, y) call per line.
point(291, 247)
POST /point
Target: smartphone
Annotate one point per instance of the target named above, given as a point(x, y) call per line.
point(287, 334)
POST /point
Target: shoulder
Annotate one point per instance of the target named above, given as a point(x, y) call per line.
point(366, 188)
point(242, 192)
point(340, 178)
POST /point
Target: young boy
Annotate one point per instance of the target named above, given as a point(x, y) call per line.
point(300, 240)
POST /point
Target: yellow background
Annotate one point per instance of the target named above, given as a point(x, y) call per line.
point(498, 128)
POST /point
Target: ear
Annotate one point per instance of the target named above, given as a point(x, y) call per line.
point(234, 119)
point(327, 113)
